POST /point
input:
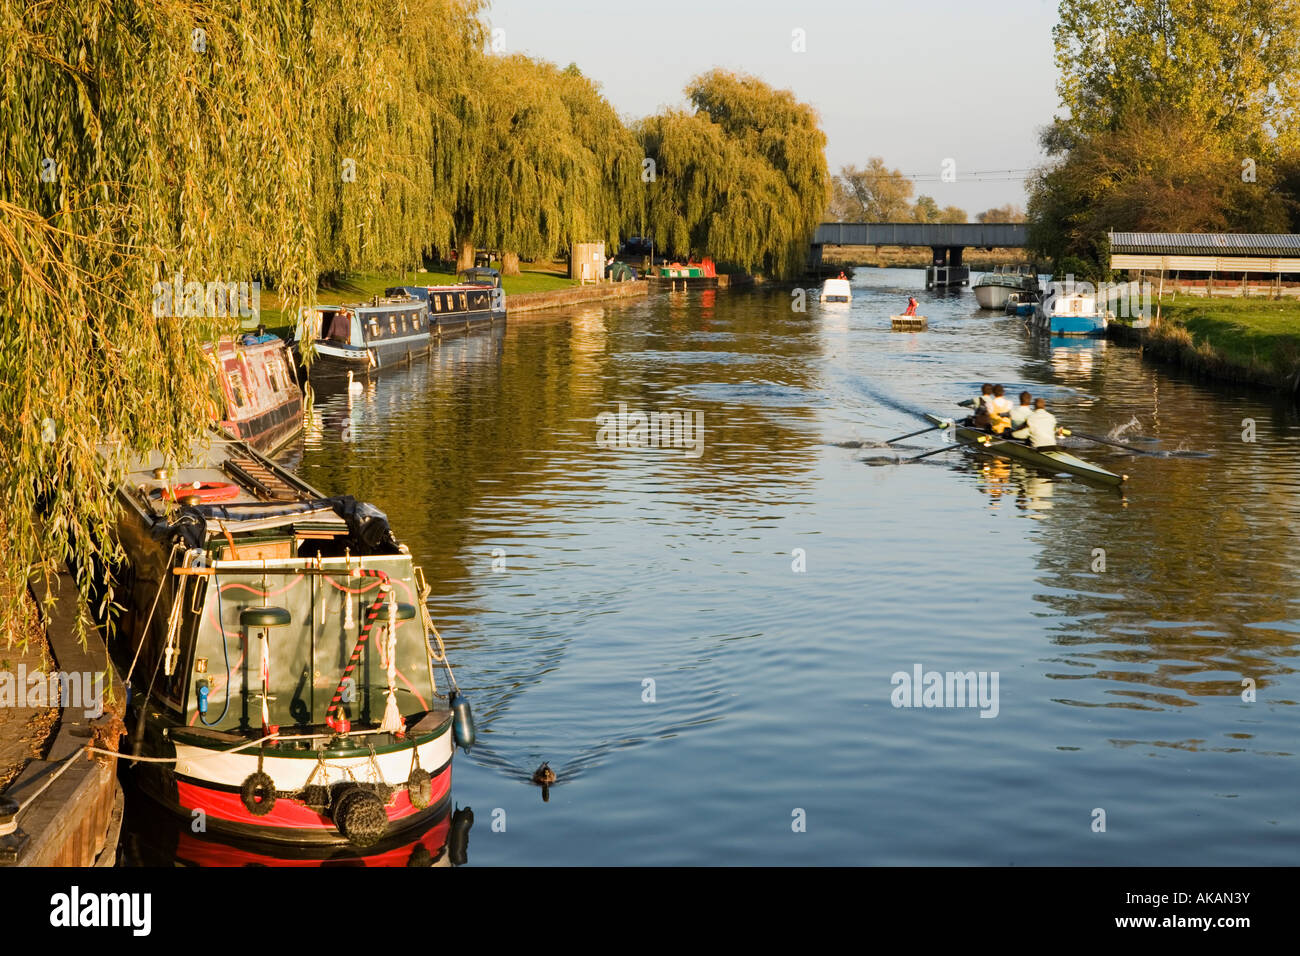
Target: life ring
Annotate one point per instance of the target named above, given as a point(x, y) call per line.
point(257, 793)
point(203, 490)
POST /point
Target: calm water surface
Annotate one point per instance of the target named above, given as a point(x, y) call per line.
point(568, 576)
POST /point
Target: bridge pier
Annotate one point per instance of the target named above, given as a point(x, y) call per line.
point(946, 269)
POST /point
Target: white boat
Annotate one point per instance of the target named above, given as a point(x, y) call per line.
point(1075, 313)
point(836, 290)
point(993, 288)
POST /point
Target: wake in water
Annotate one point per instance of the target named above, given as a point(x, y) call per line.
point(881, 398)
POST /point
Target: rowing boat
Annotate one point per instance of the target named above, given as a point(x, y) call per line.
point(1053, 461)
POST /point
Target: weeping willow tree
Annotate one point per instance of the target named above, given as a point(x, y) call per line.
point(162, 145)
point(743, 178)
point(386, 113)
point(555, 163)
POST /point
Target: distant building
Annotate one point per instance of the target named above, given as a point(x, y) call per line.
point(1211, 263)
point(587, 262)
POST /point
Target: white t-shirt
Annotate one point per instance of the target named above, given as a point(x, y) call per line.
point(1020, 414)
point(1042, 428)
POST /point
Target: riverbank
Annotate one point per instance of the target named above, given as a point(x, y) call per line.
point(70, 807)
point(534, 278)
point(25, 732)
point(600, 292)
point(1252, 342)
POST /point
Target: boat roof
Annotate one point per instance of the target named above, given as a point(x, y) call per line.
point(265, 495)
point(455, 287)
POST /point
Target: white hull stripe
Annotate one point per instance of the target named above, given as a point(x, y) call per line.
point(291, 773)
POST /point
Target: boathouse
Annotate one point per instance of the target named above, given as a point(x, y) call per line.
point(1211, 263)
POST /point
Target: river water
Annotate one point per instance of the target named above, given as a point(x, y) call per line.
point(703, 646)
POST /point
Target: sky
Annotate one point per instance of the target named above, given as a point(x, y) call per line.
point(916, 82)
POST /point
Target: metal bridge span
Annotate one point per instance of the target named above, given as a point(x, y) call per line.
point(946, 239)
point(982, 235)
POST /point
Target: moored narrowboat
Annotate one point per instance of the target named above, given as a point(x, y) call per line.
point(262, 402)
point(281, 680)
point(454, 308)
point(364, 337)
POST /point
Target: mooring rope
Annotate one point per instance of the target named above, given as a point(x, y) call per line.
point(149, 620)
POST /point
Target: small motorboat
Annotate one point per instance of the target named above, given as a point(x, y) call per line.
point(1021, 303)
point(1075, 313)
point(836, 290)
point(993, 288)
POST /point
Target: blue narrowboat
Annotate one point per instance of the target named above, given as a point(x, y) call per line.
point(364, 337)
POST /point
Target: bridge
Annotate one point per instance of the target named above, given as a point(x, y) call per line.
point(946, 239)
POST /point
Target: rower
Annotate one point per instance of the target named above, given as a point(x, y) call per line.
point(1042, 427)
point(911, 306)
point(1000, 404)
point(1020, 414)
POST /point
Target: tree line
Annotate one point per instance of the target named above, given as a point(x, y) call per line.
point(876, 193)
point(273, 141)
point(1177, 117)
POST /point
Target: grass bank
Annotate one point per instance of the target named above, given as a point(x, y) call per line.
point(1249, 341)
point(360, 287)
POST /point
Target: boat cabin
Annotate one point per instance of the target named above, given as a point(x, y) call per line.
point(274, 586)
point(836, 290)
point(388, 329)
point(259, 385)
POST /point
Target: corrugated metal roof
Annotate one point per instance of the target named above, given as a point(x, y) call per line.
point(1205, 243)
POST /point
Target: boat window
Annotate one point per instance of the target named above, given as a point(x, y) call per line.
point(437, 302)
point(374, 327)
point(237, 389)
point(463, 307)
point(392, 323)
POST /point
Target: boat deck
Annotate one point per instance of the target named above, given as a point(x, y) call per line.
point(234, 475)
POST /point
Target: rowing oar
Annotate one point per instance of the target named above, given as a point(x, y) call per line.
point(904, 461)
point(1118, 444)
point(932, 428)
